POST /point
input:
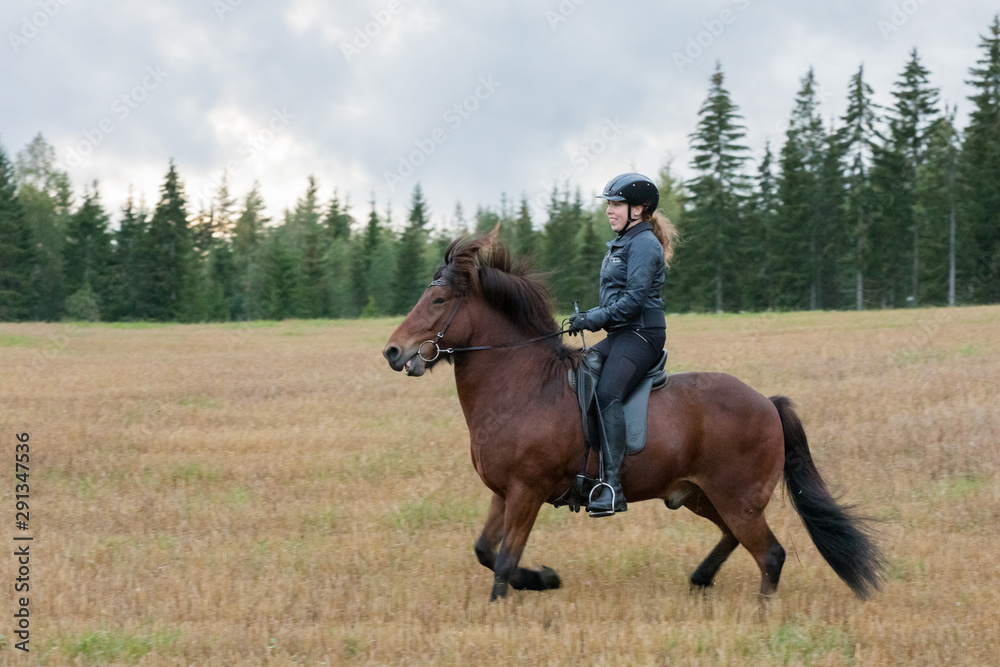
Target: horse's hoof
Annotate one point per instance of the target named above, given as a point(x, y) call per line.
point(499, 592)
point(549, 578)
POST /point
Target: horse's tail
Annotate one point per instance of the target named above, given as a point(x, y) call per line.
point(844, 539)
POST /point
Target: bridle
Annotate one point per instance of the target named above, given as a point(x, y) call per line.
point(451, 350)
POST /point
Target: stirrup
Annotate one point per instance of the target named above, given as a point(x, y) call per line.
point(590, 500)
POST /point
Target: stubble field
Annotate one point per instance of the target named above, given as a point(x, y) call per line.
point(274, 494)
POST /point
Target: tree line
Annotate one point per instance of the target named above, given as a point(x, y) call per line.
point(884, 207)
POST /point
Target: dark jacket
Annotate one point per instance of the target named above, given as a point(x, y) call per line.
point(632, 276)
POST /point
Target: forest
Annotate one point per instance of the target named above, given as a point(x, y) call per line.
point(884, 207)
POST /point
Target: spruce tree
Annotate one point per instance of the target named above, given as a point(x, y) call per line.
point(798, 233)
point(45, 196)
point(979, 180)
point(17, 256)
point(525, 243)
point(130, 265)
point(367, 247)
point(249, 265)
point(337, 225)
point(859, 138)
point(935, 212)
point(718, 191)
point(87, 251)
point(895, 232)
point(755, 250)
point(411, 275)
point(169, 251)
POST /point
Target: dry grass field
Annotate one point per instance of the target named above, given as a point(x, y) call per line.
point(274, 494)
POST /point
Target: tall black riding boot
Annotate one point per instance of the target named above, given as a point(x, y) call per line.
point(609, 497)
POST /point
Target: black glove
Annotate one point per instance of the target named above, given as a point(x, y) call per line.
point(577, 323)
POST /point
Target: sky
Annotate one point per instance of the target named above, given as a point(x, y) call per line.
point(474, 101)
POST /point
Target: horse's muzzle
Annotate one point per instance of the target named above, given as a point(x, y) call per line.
point(411, 364)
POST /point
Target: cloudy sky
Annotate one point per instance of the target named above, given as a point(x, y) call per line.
point(469, 99)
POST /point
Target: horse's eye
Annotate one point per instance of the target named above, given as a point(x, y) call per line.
point(438, 300)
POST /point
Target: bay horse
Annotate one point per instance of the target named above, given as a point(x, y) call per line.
point(714, 445)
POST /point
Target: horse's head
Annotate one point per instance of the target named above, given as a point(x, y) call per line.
point(435, 322)
point(413, 346)
point(478, 277)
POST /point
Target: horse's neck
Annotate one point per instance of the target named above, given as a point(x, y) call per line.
point(506, 376)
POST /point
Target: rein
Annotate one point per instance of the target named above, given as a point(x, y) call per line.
point(450, 350)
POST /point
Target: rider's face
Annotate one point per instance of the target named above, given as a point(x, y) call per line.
point(618, 214)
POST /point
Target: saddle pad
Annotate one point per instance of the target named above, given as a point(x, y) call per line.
point(584, 381)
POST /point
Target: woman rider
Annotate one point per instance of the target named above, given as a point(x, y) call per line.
point(631, 310)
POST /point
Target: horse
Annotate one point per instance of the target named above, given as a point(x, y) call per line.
point(714, 445)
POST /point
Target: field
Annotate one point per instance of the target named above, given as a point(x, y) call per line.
point(274, 494)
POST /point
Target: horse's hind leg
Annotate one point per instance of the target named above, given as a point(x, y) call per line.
point(703, 577)
point(486, 551)
point(754, 534)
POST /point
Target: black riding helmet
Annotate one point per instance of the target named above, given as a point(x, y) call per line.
point(633, 189)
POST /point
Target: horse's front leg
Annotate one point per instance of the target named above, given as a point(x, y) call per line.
point(542, 579)
point(486, 545)
point(520, 510)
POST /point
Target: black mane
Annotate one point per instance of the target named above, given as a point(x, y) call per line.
point(483, 266)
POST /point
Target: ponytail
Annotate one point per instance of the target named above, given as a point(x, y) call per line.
point(665, 233)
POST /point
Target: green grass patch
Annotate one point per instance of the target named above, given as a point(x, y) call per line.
point(237, 496)
point(194, 472)
point(10, 340)
point(106, 646)
point(206, 402)
point(427, 512)
point(958, 487)
point(804, 643)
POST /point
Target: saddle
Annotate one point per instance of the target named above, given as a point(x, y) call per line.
point(584, 381)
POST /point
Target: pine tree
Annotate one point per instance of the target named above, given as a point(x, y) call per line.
point(368, 246)
point(130, 265)
point(338, 223)
point(895, 233)
point(525, 243)
point(17, 256)
point(798, 233)
point(591, 249)
point(87, 251)
point(754, 274)
point(280, 279)
point(46, 198)
point(560, 250)
point(979, 179)
point(718, 191)
point(859, 138)
point(411, 275)
point(935, 212)
point(249, 270)
point(833, 248)
point(169, 251)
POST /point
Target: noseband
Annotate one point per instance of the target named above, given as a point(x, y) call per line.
point(450, 350)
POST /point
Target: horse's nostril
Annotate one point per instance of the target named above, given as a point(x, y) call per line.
point(391, 353)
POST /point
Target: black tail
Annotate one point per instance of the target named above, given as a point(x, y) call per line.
point(844, 539)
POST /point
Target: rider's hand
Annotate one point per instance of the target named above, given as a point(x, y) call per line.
point(577, 323)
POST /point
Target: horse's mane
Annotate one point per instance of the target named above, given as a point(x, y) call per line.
point(483, 266)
